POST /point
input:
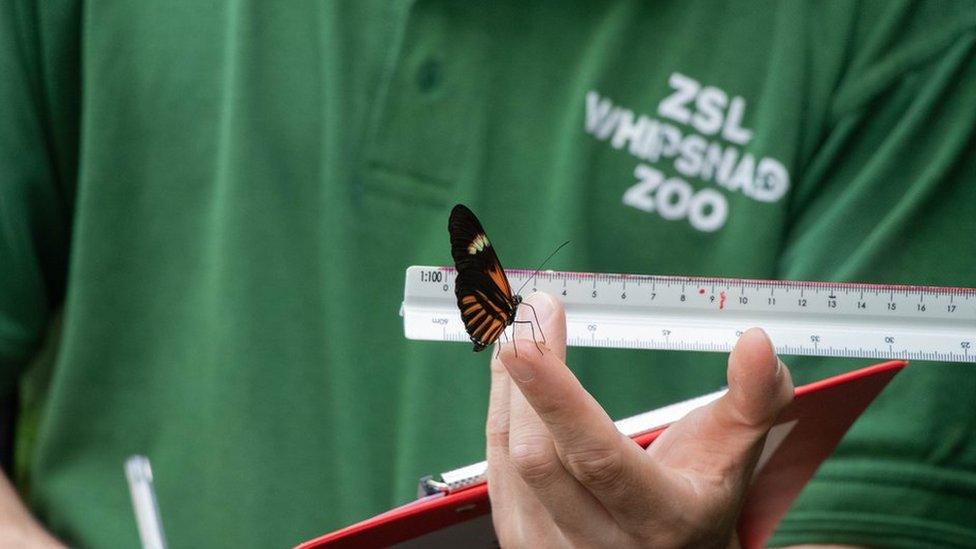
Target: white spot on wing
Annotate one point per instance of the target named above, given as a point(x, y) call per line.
point(479, 243)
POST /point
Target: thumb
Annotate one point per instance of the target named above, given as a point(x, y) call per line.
point(760, 388)
point(715, 448)
point(542, 317)
point(760, 385)
point(727, 434)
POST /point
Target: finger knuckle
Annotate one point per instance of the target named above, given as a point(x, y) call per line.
point(600, 468)
point(535, 461)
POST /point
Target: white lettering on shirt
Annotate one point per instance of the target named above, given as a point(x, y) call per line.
point(700, 133)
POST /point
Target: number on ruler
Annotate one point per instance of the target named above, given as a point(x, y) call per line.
point(745, 291)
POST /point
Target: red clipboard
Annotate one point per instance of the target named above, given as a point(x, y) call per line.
point(805, 434)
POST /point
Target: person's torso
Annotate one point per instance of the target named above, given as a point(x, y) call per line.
point(254, 179)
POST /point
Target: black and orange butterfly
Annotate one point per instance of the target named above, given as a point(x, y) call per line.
point(484, 295)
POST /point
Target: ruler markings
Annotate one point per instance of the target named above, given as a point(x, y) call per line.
point(851, 320)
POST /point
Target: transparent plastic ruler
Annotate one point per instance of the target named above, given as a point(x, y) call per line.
point(709, 314)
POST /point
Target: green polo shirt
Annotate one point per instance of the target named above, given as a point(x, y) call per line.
point(216, 202)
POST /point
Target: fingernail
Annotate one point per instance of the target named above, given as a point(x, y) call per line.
point(521, 370)
point(543, 307)
point(779, 363)
point(769, 342)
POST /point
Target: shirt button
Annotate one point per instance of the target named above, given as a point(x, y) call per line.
point(429, 75)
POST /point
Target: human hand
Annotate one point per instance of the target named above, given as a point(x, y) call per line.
point(17, 527)
point(561, 474)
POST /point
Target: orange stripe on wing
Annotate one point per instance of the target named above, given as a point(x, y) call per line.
point(498, 277)
point(495, 309)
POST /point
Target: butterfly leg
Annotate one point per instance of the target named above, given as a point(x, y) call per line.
point(498, 346)
point(539, 324)
point(531, 327)
point(514, 341)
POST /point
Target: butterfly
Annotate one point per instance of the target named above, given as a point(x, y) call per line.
point(484, 295)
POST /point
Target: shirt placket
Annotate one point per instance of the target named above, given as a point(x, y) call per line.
point(428, 120)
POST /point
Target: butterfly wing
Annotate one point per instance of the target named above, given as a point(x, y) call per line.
point(472, 249)
point(484, 295)
point(485, 311)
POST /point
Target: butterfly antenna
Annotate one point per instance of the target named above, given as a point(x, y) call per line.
point(541, 266)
